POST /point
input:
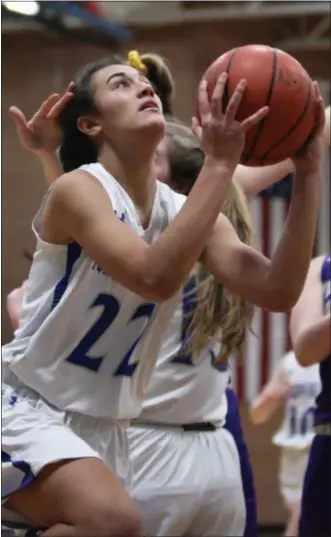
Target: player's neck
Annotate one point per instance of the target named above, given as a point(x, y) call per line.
point(135, 172)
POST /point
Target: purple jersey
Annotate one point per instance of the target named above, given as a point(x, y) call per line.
point(323, 400)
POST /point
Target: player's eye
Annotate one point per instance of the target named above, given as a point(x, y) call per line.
point(122, 83)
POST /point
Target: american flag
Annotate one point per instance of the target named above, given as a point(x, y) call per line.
point(269, 339)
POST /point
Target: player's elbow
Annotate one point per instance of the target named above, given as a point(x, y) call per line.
point(158, 288)
point(303, 353)
point(157, 282)
point(281, 298)
point(150, 281)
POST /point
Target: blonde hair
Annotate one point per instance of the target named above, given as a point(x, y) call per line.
point(219, 314)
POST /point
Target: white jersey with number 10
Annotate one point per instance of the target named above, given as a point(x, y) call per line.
point(296, 430)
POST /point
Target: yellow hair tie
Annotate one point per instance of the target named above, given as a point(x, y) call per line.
point(134, 61)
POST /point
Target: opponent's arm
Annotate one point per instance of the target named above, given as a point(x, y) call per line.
point(310, 329)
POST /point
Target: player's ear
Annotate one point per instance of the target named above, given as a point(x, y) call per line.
point(89, 126)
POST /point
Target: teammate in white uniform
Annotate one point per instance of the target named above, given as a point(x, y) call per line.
point(92, 313)
point(255, 271)
point(297, 388)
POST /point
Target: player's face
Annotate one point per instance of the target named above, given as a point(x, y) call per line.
point(126, 103)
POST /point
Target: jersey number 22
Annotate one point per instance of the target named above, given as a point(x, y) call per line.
point(111, 307)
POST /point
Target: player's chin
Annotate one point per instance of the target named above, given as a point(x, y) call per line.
point(153, 122)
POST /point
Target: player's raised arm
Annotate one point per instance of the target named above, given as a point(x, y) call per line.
point(78, 209)
point(275, 284)
point(42, 134)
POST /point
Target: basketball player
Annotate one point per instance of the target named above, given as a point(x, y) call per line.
point(190, 166)
point(232, 418)
point(103, 266)
point(297, 387)
point(41, 135)
point(311, 337)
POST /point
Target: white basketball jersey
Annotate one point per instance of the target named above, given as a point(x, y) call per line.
point(296, 430)
point(86, 343)
point(185, 389)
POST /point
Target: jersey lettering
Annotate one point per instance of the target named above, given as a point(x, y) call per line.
point(111, 307)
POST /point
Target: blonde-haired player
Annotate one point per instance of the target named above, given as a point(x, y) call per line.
point(296, 387)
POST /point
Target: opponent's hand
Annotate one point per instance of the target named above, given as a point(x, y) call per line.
point(42, 134)
point(309, 159)
point(220, 135)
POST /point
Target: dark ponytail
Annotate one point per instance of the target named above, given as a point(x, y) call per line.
point(77, 148)
point(160, 76)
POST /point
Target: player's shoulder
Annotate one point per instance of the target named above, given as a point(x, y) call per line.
point(76, 187)
point(71, 182)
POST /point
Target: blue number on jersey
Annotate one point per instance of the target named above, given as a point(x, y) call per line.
point(301, 424)
point(189, 304)
point(110, 311)
point(125, 368)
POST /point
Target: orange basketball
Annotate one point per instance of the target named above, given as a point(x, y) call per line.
point(274, 79)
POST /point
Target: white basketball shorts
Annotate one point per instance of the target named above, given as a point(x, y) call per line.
point(35, 434)
point(187, 483)
point(293, 463)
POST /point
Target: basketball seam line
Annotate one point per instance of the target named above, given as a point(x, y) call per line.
point(298, 121)
point(226, 92)
point(259, 131)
